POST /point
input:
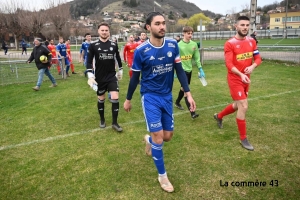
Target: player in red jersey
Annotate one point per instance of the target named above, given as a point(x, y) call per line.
point(52, 48)
point(143, 38)
point(128, 53)
point(239, 52)
point(68, 42)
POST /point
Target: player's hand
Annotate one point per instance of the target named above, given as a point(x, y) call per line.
point(191, 101)
point(127, 105)
point(245, 79)
point(249, 70)
point(120, 74)
point(45, 61)
point(202, 74)
point(91, 80)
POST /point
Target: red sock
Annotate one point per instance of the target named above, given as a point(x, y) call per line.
point(228, 110)
point(130, 73)
point(72, 67)
point(241, 123)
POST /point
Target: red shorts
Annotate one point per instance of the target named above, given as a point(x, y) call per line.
point(238, 89)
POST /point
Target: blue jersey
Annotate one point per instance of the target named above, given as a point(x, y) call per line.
point(157, 66)
point(84, 48)
point(62, 49)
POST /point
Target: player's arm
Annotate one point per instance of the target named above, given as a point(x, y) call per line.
point(124, 53)
point(118, 58)
point(257, 60)
point(57, 51)
point(89, 67)
point(196, 57)
point(30, 59)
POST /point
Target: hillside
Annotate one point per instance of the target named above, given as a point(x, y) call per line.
point(89, 7)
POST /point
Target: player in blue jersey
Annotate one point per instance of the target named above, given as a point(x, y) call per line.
point(155, 60)
point(61, 51)
point(84, 50)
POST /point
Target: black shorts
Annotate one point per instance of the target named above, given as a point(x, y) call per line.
point(107, 86)
point(188, 76)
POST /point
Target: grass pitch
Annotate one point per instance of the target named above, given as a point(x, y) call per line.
point(52, 148)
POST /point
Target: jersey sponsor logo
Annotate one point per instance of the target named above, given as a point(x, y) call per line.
point(161, 69)
point(171, 45)
point(105, 56)
point(169, 54)
point(97, 43)
point(244, 56)
point(151, 58)
point(169, 64)
point(186, 57)
point(161, 58)
point(155, 124)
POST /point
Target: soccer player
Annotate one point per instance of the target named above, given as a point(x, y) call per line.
point(239, 53)
point(143, 38)
point(84, 50)
point(61, 51)
point(24, 46)
point(188, 51)
point(54, 60)
point(69, 55)
point(41, 50)
point(104, 52)
point(128, 53)
point(156, 60)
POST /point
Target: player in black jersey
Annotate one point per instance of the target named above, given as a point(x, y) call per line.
point(105, 51)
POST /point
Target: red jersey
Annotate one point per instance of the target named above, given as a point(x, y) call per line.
point(68, 49)
point(239, 53)
point(128, 51)
point(52, 49)
point(139, 42)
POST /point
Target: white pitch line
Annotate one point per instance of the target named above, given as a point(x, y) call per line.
point(129, 123)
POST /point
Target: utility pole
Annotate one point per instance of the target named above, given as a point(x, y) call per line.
point(285, 26)
point(253, 7)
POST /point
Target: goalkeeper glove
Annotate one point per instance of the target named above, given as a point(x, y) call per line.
point(201, 74)
point(120, 74)
point(91, 81)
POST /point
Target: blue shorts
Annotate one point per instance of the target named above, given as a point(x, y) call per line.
point(158, 112)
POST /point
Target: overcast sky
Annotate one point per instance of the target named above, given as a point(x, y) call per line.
point(216, 6)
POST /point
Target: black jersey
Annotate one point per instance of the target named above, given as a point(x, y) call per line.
point(105, 54)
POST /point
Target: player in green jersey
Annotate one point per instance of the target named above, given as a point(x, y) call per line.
point(188, 51)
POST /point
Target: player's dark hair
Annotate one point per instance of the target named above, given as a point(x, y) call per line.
point(103, 24)
point(149, 18)
point(87, 34)
point(242, 18)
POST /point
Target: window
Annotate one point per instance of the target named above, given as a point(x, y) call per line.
point(289, 27)
point(277, 19)
point(276, 27)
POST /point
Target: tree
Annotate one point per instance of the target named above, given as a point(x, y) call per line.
point(195, 20)
point(11, 12)
point(59, 16)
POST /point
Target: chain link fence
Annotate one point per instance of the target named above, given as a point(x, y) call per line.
point(16, 70)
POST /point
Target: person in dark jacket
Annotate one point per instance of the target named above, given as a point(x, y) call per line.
point(253, 35)
point(24, 47)
point(4, 47)
point(42, 65)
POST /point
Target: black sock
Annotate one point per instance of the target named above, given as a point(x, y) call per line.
point(101, 109)
point(188, 105)
point(115, 110)
point(180, 96)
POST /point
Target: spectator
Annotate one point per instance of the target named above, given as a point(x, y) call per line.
point(41, 50)
point(253, 35)
point(177, 38)
point(24, 46)
point(4, 47)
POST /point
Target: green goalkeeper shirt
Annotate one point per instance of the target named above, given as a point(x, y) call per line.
point(189, 51)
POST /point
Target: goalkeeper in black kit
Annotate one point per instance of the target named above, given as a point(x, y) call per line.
point(105, 51)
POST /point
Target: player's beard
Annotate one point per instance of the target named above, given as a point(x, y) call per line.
point(242, 34)
point(157, 35)
point(104, 37)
